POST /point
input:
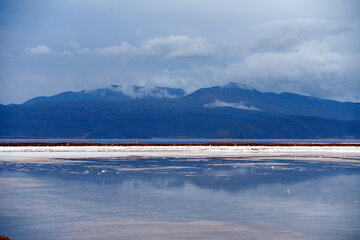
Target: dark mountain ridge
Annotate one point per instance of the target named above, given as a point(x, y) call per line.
point(230, 111)
point(115, 92)
point(283, 103)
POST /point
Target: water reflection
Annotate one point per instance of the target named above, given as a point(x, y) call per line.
point(180, 199)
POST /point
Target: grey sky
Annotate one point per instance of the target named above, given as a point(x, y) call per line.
point(308, 47)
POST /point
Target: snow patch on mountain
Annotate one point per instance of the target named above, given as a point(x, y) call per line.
point(240, 105)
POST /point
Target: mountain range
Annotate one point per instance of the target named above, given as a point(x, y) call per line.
point(229, 111)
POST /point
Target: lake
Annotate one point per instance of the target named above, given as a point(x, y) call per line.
point(180, 198)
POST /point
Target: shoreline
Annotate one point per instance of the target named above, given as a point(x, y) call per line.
point(344, 153)
point(55, 144)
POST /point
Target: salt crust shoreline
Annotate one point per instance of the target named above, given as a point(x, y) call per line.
point(309, 153)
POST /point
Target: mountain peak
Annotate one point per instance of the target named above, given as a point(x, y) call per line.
point(139, 92)
point(237, 85)
point(114, 93)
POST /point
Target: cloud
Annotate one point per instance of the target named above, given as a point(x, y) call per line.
point(123, 49)
point(65, 52)
point(178, 46)
point(285, 35)
point(39, 50)
point(171, 47)
point(240, 105)
point(83, 51)
point(144, 91)
point(310, 71)
point(287, 65)
point(296, 55)
point(72, 45)
point(45, 50)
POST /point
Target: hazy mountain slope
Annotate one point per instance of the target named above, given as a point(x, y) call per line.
point(115, 92)
point(230, 95)
point(231, 111)
point(160, 118)
point(284, 103)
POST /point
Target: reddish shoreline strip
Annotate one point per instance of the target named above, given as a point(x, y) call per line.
point(43, 144)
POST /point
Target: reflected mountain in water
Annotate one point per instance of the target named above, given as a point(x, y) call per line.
point(177, 198)
point(217, 174)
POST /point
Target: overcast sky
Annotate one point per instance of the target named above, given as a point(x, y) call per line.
point(303, 46)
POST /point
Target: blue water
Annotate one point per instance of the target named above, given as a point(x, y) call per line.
point(175, 198)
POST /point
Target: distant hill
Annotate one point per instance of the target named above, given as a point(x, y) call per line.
point(283, 103)
point(115, 92)
point(229, 111)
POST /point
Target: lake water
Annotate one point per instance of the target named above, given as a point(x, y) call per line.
point(174, 198)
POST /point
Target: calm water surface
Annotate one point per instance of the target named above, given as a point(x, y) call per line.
point(175, 198)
